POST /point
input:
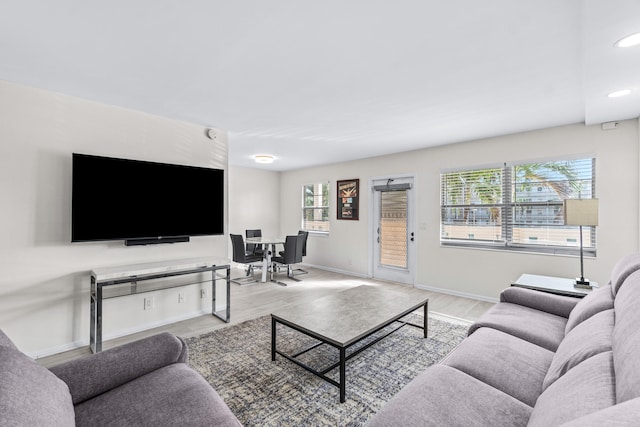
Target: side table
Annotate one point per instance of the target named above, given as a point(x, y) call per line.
point(553, 285)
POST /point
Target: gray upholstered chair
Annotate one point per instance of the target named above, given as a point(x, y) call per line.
point(143, 383)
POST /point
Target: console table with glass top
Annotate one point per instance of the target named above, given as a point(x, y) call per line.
point(112, 282)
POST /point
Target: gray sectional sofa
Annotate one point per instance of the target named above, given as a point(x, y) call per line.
point(144, 383)
point(537, 359)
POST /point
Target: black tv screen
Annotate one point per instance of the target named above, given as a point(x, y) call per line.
point(144, 202)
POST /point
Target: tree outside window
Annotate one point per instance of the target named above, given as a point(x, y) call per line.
point(315, 207)
point(516, 207)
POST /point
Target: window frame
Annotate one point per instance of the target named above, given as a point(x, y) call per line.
point(326, 196)
point(508, 205)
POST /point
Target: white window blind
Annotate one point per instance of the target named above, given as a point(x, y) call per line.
point(393, 228)
point(517, 207)
point(315, 207)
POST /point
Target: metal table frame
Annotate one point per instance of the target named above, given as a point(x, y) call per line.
point(270, 249)
point(342, 348)
point(97, 295)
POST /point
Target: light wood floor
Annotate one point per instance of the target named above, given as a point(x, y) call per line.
point(259, 299)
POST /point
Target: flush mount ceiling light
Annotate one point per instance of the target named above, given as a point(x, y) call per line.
point(619, 93)
point(263, 158)
point(630, 40)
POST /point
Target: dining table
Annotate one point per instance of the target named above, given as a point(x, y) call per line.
point(269, 244)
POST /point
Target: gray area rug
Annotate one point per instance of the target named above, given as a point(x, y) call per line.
point(236, 361)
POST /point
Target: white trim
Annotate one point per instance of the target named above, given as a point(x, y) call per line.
point(450, 319)
point(121, 333)
point(328, 207)
point(456, 293)
point(336, 270)
point(56, 350)
point(419, 286)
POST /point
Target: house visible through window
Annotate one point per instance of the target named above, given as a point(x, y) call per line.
point(315, 207)
point(517, 207)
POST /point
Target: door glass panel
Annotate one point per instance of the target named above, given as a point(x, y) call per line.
point(393, 228)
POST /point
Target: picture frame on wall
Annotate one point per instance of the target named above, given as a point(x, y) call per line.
point(348, 199)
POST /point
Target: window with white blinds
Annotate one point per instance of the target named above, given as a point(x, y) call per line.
point(315, 207)
point(517, 207)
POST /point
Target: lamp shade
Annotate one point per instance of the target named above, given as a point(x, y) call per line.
point(581, 212)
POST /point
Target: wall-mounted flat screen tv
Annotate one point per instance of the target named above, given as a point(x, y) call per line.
point(144, 202)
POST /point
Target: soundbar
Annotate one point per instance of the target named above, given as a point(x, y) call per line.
point(156, 240)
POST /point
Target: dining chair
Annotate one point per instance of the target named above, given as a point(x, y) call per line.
point(241, 256)
point(304, 251)
point(251, 247)
point(291, 255)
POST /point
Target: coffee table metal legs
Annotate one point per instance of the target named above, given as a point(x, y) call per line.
point(343, 370)
point(425, 326)
point(341, 364)
point(273, 339)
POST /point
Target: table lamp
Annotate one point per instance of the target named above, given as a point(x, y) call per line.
point(581, 212)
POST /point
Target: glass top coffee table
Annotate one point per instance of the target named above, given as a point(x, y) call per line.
point(346, 318)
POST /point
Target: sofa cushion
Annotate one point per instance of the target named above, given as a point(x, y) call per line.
point(598, 300)
point(444, 396)
point(626, 339)
point(587, 388)
point(535, 326)
point(589, 338)
point(173, 395)
point(623, 269)
point(622, 414)
point(521, 377)
point(30, 394)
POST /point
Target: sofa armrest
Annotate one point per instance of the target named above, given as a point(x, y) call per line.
point(98, 373)
point(555, 304)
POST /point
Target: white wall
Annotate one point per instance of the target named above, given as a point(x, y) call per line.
point(254, 201)
point(481, 273)
point(44, 279)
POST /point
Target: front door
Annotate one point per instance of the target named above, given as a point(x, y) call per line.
point(393, 229)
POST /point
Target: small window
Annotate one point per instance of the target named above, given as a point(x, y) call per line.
point(315, 207)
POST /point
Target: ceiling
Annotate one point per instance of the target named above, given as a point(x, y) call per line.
point(316, 82)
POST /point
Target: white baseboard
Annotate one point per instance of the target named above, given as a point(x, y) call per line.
point(419, 286)
point(56, 350)
point(139, 328)
point(336, 270)
point(121, 333)
point(456, 293)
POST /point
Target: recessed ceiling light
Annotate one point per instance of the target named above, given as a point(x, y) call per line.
point(619, 93)
point(630, 40)
point(263, 158)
